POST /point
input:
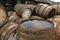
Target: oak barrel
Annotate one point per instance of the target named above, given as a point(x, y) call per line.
point(24, 11)
point(8, 31)
point(45, 11)
point(36, 29)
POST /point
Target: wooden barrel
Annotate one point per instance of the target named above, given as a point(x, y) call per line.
point(18, 7)
point(8, 31)
point(57, 8)
point(24, 11)
point(45, 10)
point(3, 15)
point(36, 29)
point(55, 19)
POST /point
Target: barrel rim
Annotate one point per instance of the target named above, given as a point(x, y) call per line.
point(35, 19)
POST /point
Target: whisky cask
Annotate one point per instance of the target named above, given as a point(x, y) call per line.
point(8, 31)
point(45, 10)
point(36, 29)
point(24, 11)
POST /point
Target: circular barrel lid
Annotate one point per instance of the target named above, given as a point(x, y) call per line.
point(37, 29)
point(36, 25)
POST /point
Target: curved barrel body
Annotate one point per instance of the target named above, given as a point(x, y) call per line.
point(36, 29)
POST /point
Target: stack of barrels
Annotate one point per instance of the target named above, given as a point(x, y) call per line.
point(42, 10)
point(30, 22)
point(33, 29)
